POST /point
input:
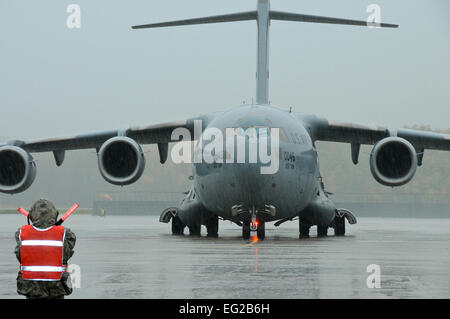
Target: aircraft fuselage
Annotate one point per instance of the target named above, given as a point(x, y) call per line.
point(221, 187)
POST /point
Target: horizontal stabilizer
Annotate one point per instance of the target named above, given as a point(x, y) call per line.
point(243, 16)
point(286, 16)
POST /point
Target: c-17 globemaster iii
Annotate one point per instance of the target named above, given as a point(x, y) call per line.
point(230, 185)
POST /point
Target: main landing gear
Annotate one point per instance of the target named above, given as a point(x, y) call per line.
point(338, 224)
point(339, 221)
point(212, 227)
point(304, 228)
point(171, 214)
point(177, 226)
point(322, 231)
point(195, 230)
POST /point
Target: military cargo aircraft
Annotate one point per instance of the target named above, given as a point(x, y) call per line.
point(234, 187)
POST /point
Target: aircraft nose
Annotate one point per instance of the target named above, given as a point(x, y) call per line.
point(249, 187)
point(248, 176)
point(248, 171)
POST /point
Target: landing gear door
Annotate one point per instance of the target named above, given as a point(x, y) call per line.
point(167, 214)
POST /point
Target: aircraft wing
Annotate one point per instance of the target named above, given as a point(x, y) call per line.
point(147, 134)
point(324, 130)
point(150, 134)
point(121, 159)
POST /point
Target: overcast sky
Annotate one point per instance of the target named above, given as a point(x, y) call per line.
point(56, 81)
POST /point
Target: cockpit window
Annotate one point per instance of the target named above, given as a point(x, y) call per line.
point(261, 131)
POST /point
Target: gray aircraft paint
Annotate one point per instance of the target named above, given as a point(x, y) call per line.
point(221, 186)
point(262, 73)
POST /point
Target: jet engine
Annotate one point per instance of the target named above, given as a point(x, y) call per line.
point(17, 169)
point(393, 161)
point(121, 160)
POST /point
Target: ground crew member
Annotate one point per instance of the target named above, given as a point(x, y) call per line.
point(43, 251)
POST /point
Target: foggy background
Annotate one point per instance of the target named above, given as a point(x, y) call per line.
point(56, 81)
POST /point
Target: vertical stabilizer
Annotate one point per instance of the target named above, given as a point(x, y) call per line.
point(262, 73)
point(263, 15)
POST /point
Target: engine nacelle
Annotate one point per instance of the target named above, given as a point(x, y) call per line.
point(17, 169)
point(121, 160)
point(393, 161)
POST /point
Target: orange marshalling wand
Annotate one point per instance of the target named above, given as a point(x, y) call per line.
point(66, 215)
point(23, 211)
point(59, 222)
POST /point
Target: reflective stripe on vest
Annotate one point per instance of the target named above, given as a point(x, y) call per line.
point(56, 243)
point(41, 253)
point(42, 268)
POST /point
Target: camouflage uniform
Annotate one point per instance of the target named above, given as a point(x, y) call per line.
point(43, 214)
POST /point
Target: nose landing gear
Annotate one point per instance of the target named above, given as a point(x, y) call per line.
point(246, 230)
point(261, 231)
point(255, 225)
point(254, 219)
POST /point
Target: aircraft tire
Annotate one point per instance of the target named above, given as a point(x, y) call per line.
point(245, 230)
point(322, 231)
point(195, 230)
point(339, 226)
point(304, 229)
point(212, 228)
point(261, 231)
point(177, 226)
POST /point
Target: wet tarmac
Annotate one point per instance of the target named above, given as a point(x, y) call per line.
point(136, 257)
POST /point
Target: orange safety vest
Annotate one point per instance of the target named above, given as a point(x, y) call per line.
point(41, 253)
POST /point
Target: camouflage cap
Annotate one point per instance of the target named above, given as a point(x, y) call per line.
point(43, 213)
